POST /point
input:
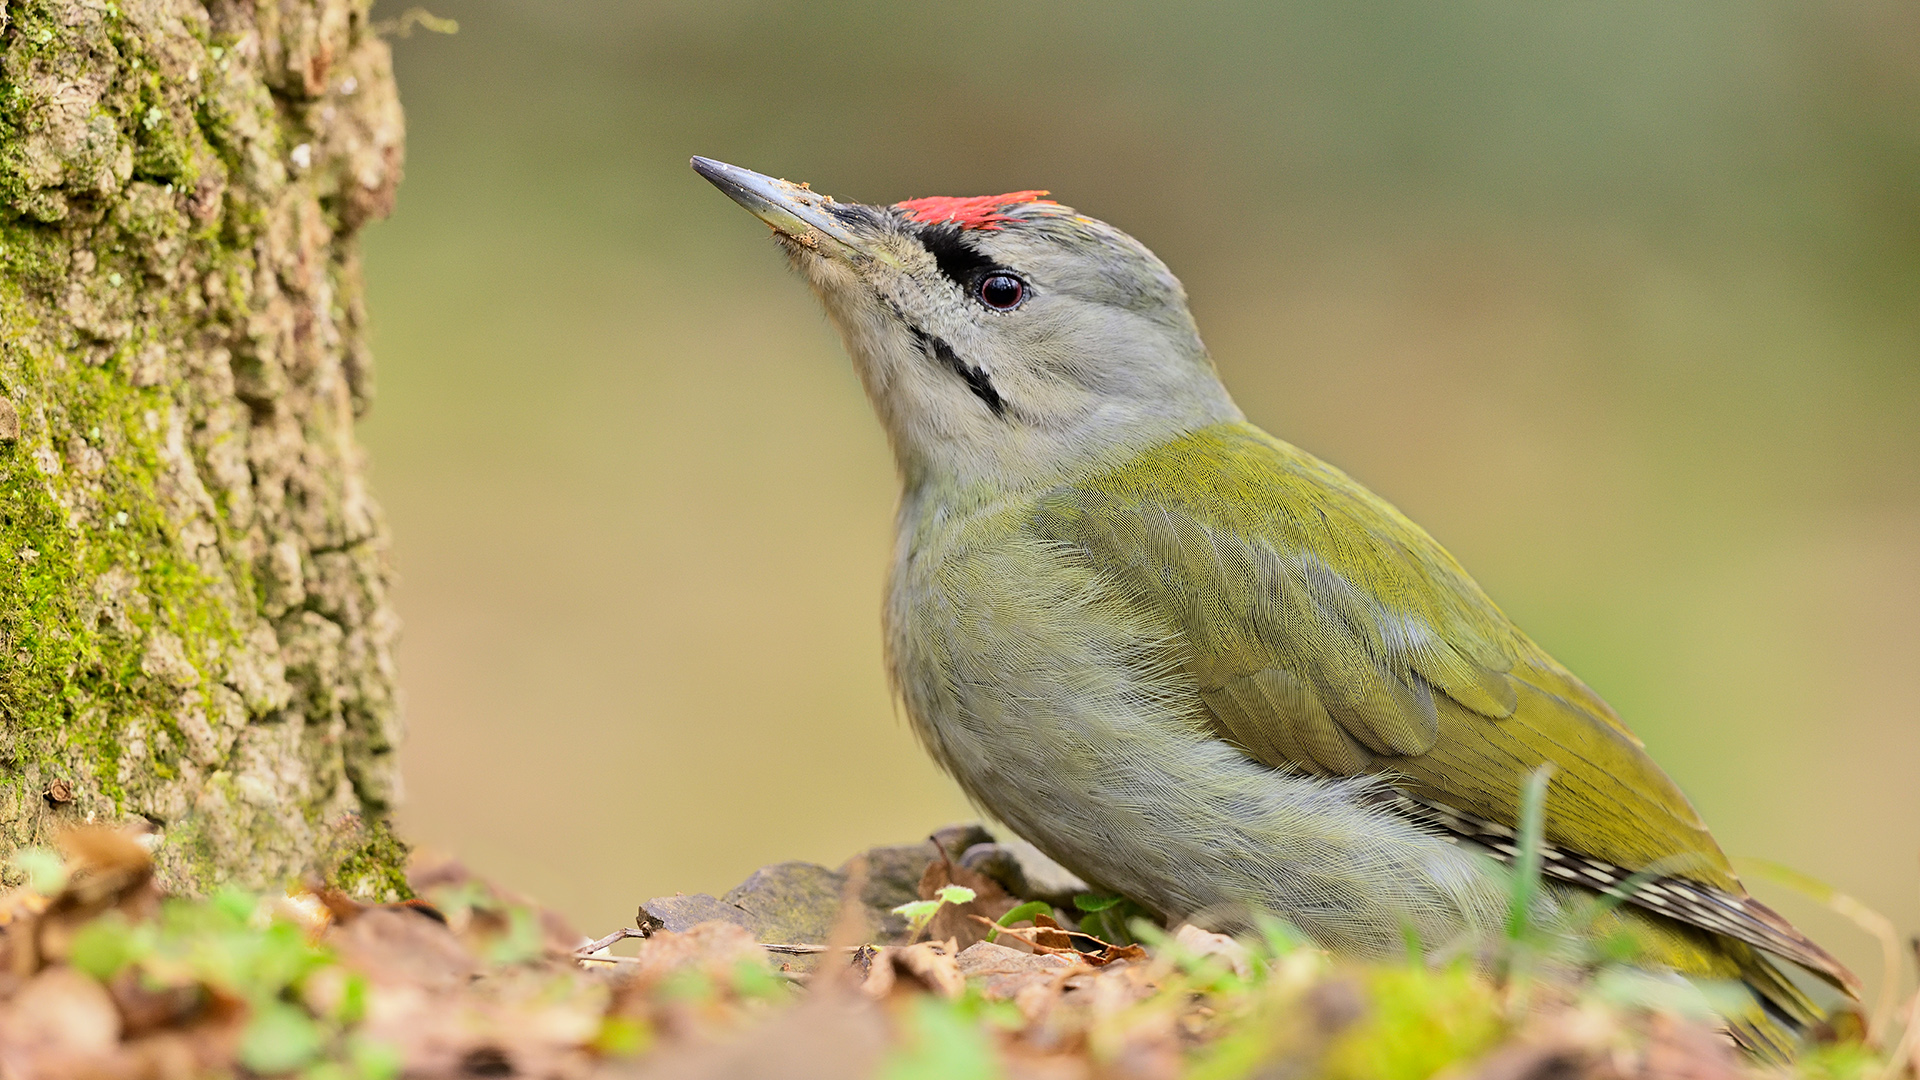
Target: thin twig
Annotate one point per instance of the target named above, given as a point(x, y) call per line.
point(585, 952)
point(621, 934)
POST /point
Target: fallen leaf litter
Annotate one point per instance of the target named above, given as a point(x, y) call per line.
point(103, 977)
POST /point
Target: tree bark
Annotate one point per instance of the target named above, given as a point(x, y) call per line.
point(194, 628)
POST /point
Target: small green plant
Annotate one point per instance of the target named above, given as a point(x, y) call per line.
point(921, 912)
point(1024, 913)
point(1110, 918)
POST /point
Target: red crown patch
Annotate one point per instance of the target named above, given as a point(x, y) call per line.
point(977, 212)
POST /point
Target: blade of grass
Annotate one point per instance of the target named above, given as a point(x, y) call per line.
point(1526, 865)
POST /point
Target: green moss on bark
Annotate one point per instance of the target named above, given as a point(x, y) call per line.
point(193, 624)
point(370, 864)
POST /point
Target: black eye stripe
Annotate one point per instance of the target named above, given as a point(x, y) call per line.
point(956, 258)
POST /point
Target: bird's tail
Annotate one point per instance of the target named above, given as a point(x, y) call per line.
point(1772, 1030)
point(1782, 1016)
point(1777, 1015)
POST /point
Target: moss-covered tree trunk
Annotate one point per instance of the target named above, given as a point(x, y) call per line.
point(194, 627)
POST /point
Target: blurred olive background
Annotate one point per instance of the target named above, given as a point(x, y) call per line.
point(1621, 301)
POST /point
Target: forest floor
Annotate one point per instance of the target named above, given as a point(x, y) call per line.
point(881, 968)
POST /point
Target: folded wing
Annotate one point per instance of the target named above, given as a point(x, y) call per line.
point(1329, 634)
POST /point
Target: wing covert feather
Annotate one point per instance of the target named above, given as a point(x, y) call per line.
point(1330, 634)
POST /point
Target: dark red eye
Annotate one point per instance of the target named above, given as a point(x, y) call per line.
point(1002, 292)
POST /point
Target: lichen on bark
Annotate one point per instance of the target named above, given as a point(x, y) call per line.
point(194, 627)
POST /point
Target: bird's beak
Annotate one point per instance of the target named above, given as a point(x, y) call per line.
point(806, 216)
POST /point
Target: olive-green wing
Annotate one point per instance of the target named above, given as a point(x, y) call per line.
point(1330, 634)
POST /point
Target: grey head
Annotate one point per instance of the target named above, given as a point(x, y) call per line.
point(1005, 341)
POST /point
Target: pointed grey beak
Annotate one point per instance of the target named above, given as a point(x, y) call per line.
point(806, 216)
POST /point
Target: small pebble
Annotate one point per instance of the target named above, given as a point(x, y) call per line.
point(9, 421)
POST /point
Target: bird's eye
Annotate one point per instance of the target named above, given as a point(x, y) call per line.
point(1002, 292)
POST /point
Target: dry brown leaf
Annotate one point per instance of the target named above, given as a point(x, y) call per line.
point(397, 946)
point(1687, 1051)
point(1036, 1000)
point(715, 951)
point(1107, 990)
point(1207, 943)
point(20, 903)
point(714, 947)
point(203, 1050)
point(107, 870)
point(517, 1021)
point(58, 1020)
point(145, 1009)
point(1143, 1045)
point(957, 922)
point(825, 1037)
point(1002, 973)
point(926, 967)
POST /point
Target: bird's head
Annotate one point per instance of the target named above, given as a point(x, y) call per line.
point(1005, 340)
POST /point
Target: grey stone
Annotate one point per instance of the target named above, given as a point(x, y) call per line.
point(790, 903)
point(890, 876)
point(956, 839)
point(1025, 871)
point(680, 913)
point(798, 903)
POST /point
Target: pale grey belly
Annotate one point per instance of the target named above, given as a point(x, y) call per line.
point(1057, 711)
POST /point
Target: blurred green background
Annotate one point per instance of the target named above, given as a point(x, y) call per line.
point(1621, 301)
